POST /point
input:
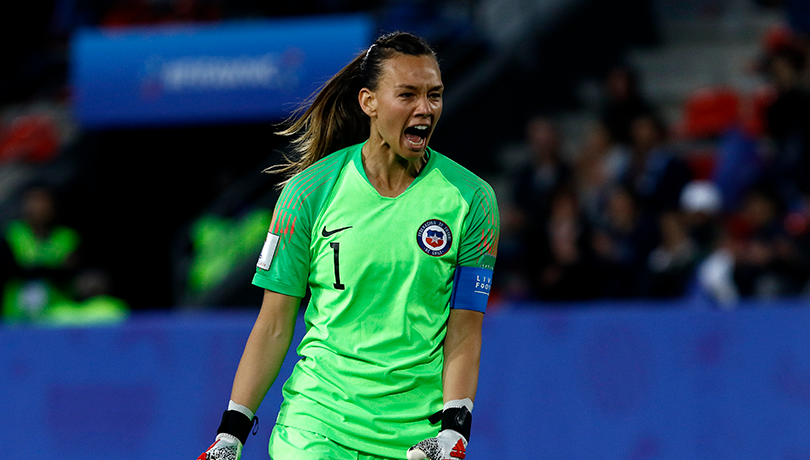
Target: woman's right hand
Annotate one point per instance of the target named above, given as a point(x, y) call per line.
point(226, 447)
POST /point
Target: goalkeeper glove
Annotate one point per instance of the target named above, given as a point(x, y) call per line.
point(226, 447)
point(451, 442)
point(231, 434)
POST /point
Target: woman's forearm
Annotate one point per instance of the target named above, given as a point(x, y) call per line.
point(265, 350)
point(462, 354)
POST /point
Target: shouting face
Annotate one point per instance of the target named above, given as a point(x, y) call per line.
point(405, 106)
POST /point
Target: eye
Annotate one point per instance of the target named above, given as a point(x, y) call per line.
point(435, 95)
point(406, 95)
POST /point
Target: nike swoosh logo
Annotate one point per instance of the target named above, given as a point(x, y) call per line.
point(327, 233)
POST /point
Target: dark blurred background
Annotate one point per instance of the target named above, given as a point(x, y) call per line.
point(650, 159)
point(640, 149)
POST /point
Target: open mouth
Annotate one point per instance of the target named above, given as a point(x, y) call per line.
point(416, 136)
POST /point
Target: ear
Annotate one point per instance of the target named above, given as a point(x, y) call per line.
point(368, 102)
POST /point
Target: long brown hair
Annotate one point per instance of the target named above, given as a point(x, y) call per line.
point(331, 119)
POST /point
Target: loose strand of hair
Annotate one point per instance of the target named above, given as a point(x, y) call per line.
point(331, 118)
point(317, 127)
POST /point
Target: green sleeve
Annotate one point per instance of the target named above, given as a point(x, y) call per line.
point(284, 263)
point(479, 245)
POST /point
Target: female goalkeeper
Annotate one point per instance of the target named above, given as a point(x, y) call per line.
point(396, 243)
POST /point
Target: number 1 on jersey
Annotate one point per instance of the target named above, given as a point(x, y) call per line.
point(336, 249)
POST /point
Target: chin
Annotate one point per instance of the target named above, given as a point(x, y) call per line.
point(409, 150)
point(412, 155)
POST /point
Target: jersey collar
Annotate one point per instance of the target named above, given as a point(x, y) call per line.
point(357, 159)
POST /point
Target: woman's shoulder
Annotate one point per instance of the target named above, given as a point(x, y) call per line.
point(459, 175)
point(322, 171)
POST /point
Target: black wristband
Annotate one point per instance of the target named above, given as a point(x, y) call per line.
point(236, 424)
point(458, 419)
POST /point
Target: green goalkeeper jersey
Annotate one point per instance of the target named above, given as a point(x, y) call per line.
point(381, 272)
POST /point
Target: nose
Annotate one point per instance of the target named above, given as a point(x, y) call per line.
point(424, 108)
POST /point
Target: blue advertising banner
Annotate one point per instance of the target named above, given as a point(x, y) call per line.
point(608, 382)
point(208, 73)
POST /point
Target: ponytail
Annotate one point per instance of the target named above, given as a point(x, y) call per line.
point(331, 119)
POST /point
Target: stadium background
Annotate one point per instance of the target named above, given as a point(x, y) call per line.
point(714, 364)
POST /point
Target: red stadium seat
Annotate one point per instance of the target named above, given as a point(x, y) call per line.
point(709, 111)
point(29, 138)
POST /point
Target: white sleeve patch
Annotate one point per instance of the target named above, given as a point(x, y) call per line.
point(268, 251)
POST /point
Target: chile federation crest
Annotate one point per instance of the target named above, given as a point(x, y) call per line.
point(434, 237)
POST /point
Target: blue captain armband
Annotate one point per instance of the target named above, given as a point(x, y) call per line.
point(471, 287)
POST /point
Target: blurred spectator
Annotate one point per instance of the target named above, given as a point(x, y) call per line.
point(694, 256)
point(534, 184)
point(563, 267)
point(622, 242)
point(654, 173)
point(701, 204)
point(94, 303)
point(622, 103)
point(739, 164)
point(715, 277)
point(672, 262)
point(767, 259)
point(45, 256)
point(598, 168)
point(220, 244)
point(788, 123)
point(528, 206)
point(797, 224)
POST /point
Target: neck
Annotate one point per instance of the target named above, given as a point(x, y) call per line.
point(41, 230)
point(389, 173)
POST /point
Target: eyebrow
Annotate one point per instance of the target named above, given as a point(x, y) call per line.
point(414, 88)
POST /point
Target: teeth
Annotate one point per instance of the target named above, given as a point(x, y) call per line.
point(421, 127)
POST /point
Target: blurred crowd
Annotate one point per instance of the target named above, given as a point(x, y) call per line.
point(75, 246)
point(42, 274)
point(715, 208)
